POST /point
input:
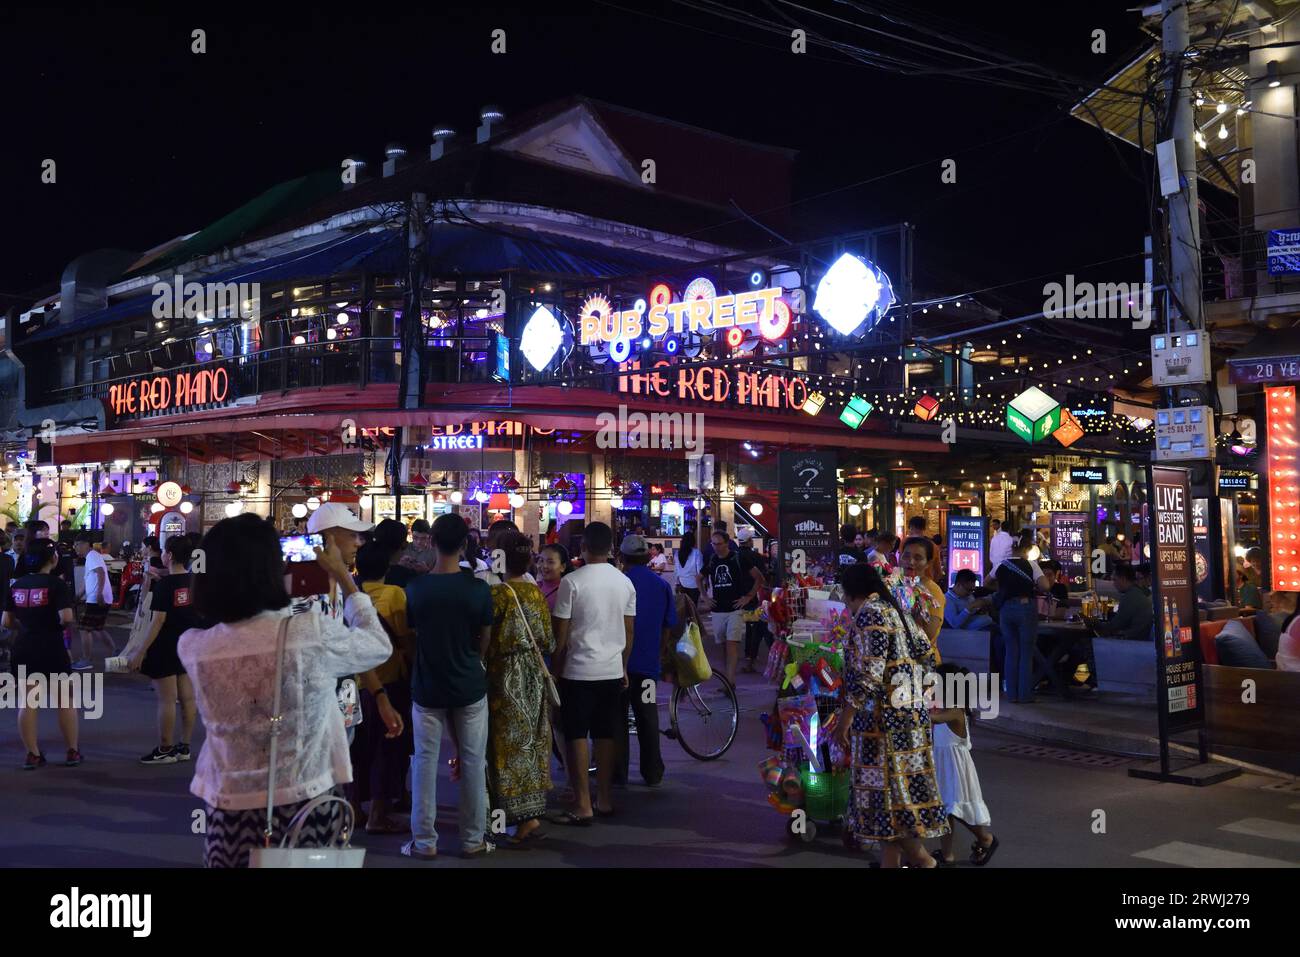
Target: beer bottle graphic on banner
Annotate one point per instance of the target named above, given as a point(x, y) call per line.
point(1178, 634)
point(1169, 636)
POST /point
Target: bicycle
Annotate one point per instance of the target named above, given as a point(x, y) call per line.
point(704, 717)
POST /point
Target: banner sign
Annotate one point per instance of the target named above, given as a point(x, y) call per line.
point(967, 535)
point(1179, 698)
point(1254, 371)
point(816, 533)
point(808, 479)
point(1069, 540)
point(1201, 542)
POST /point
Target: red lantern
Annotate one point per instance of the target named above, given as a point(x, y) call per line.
point(234, 488)
point(186, 490)
point(360, 480)
point(419, 480)
point(108, 489)
point(926, 408)
point(512, 483)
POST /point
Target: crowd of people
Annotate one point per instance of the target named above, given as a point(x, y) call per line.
point(514, 662)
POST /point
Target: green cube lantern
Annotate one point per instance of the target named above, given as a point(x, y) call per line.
point(1033, 415)
point(855, 412)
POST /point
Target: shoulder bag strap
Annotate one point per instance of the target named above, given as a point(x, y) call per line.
point(1016, 568)
point(528, 628)
point(276, 721)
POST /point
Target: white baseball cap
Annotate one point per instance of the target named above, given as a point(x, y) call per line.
point(335, 515)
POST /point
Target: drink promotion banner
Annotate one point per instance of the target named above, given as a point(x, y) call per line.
point(1201, 542)
point(966, 538)
point(816, 533)
point(1070, 547)
point(1179, 696)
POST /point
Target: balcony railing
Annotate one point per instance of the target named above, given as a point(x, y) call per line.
point(315, 365)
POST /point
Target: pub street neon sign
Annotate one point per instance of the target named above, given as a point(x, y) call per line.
point(700, 311)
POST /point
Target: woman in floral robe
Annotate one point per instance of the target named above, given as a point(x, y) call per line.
point(885, 727)
point(519, 726)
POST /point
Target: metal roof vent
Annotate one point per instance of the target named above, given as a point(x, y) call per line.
point(489, 115)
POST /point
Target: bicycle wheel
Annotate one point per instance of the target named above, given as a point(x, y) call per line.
point(705, 717)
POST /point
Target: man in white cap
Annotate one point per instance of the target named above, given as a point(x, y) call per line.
point(342, 530)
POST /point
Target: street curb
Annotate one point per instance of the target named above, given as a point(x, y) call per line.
point(1124, 743)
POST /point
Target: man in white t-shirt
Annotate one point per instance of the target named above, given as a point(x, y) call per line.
point(97, 595)
point(595, 610)
point(1000, 545)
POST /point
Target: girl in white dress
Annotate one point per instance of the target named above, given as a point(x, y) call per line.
point(959, 784)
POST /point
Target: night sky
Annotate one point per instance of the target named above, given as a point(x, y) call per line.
point(153, 141)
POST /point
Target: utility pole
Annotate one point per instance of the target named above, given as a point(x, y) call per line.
point(410, 393)
point(1181, 207)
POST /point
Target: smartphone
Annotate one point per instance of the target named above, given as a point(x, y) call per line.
point(300, 548)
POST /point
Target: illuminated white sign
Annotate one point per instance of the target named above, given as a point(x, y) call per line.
point(448, 443)
point(851, 292)
point(541, 339)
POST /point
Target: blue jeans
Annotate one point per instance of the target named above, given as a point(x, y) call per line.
point(471, 723)
point(1019, 623)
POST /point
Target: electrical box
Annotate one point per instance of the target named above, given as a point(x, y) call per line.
point(1186, 432)
point(1180, 358)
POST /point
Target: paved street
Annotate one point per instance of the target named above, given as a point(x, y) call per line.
point(113, 812)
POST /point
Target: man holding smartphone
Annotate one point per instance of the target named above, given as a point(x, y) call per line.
point(341, 532)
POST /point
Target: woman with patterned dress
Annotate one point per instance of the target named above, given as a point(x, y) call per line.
point(519, 725)
point(885, 727)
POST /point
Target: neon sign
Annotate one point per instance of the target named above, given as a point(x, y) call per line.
point(170, 392)
point(701, 311)
point(717, 385)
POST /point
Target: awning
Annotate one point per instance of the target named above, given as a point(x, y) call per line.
point(453, 248)
point(327, 259)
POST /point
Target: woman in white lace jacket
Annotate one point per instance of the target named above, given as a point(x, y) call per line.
point(232, 665)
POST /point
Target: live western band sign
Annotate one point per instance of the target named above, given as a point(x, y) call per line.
point(170, 392)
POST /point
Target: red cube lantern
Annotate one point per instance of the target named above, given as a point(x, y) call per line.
point(926, 408)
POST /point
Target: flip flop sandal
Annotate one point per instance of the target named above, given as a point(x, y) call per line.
point(528, 840)
point(570, 819)
point(981, 855)
point(600, 813)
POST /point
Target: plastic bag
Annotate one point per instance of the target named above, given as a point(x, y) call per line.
point(692, 663)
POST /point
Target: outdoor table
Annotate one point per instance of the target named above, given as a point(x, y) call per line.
point(1063, 635)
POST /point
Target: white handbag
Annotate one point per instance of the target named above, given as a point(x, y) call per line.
point(288, 854)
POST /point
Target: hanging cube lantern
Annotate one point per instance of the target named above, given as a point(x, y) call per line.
point(856, 412)
point(813, 404)
point(1070, 431)
point(1033, 415)
point(926, 408)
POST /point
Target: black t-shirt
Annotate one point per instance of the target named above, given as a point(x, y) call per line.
point(849, 555)
point(730, 579)
point(400, 575)
point(1061, 593)
point(35, 601)
point(174, 595)
point(1016, 578)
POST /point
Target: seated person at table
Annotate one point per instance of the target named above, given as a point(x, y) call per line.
point(1142, 573)
point(963, 610)
point(1248, 595)
point(1057, 599)
point(1133, 617)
